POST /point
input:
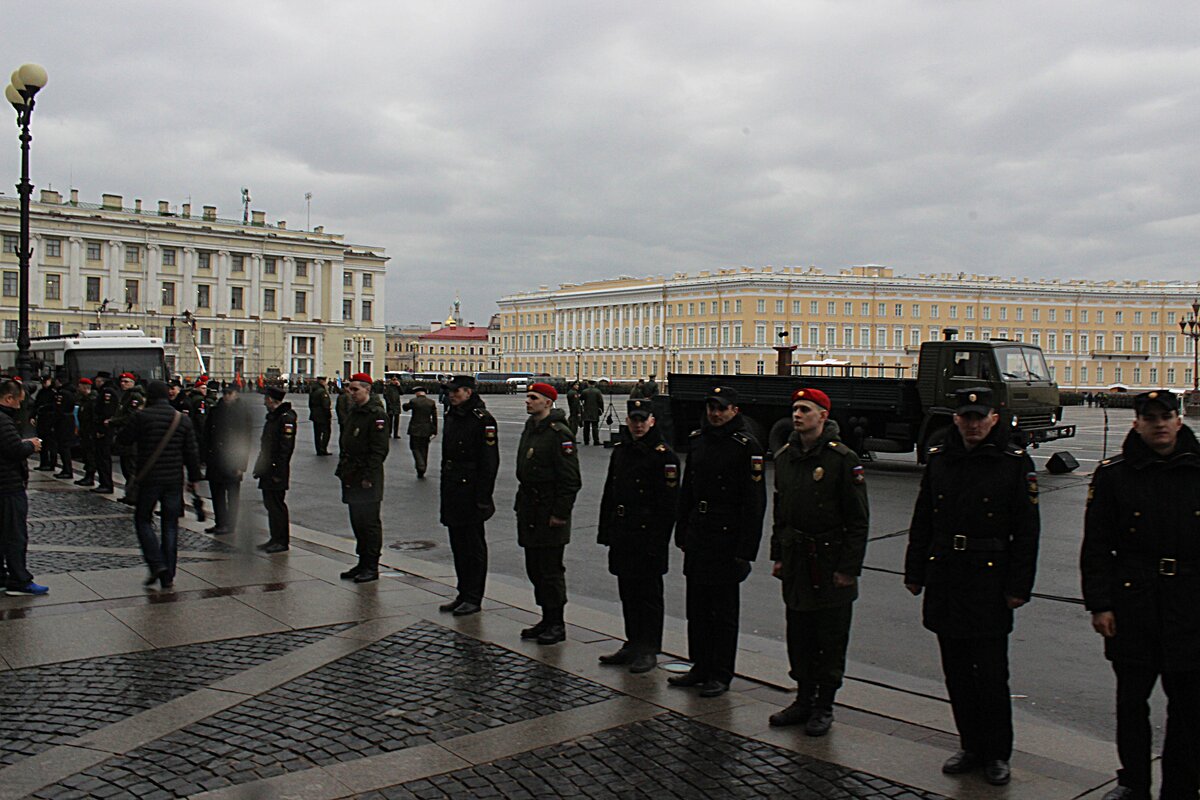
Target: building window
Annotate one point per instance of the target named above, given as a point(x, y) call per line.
point(237, 263)
point(168, 256)
point(168, 293)
point(204, 260)
point(347, 309)
point(239, 337)
point(133, 254)
point(778, 307)
point(268, 299)
point(301, 268)
point(347, 279)
point(10, 328)
point(53, 248)
point(169, 334)
point(202, 293)
point(206, 336)
point(368, 345)
point(269, 265)
point(11, 243)
point(235, 298)
point(54, 287)
point(10, 283)
point(93, 290)
point(54, 329)
point(93, 251)
point(301, 302)
point(367, 281)
point(131, 292)
point(366, 315)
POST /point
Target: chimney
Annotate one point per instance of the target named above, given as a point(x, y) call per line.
point(187, 209)
point(74, 197)
point(137, 204)
point(435, 325)
point(111, 201)
point(164, 208)
point(319, 229)
point(51, 197)
point(258, 218)
point(282, 224)
point(210, 213)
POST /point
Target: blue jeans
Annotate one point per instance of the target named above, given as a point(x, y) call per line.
point(14, 540)
point(169, 498)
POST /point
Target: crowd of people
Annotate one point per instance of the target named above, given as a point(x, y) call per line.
point(972, 547)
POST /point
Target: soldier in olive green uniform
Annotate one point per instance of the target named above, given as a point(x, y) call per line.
point(818, 544)
point(548, 478)
point(574, 407)
point(133, 400)
point(87, 432)
point(593, 409)
point(393, 397)
point(363, 448)
point(422, 426)
point(320, 413)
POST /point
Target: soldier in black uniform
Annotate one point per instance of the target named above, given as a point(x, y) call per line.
point(719, 528)
point(393, 398)
point(176, 396)
point(108, 401)
point(637, 514)
point(320, 413)
point(972, 548)
point(44, 415)
point(363, 447)
point(133, 400)
point(87, 431)
point(64, 429)
point(273, 467)
point(470, 460)
point(1141, 564)
point(197, 411)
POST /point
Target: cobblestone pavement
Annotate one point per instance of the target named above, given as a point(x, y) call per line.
point(423, 684)
point(666, 757)
point(63, 503)
point(57, 702)
point(110, 532)
point(52, 561)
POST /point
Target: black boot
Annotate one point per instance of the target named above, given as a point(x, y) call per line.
point(555, 630)
point(822, 713)
point(798, 712)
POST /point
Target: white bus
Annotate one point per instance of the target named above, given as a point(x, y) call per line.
point(86, 353)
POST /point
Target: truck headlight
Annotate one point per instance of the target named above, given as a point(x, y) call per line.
point(1015, 421)
point(1053, 418)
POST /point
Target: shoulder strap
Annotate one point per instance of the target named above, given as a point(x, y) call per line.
point(162, 445)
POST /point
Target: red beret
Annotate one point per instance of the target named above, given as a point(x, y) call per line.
point(814, 395)
point(88, 381)
point(129, 375)
point(545, 390)
point(362, 377)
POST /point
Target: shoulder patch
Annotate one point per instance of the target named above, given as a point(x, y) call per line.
point(779, 452)
point(933, 451)
point(479, 412)
point(1108, 462)
point(741, 438)
point(661, 448)
point(695, 433)
point(489, 435)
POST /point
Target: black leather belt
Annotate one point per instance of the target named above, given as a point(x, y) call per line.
point(1166, 567)
point(964, 543)
point(705, 507)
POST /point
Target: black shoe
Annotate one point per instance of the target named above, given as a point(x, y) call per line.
point(366, 576)
point(64, 474)
point(275, 547)
point(643, 663)
point(127, 500)
point(795, 714)
point(155, 576)
point(619, 658)
point(351, 573)
point(687, 679)
point(713, 688)
point(43, 469)
point(553, 634)
point(420, 476)
point(960, 762)
point(819, 722)
point(103, 490)
point(1119, 792)
point(446, 608)
point(535, 631)
point(85, 482)
point(167, 585)
point(467, 609)
point(213, 529)
point(997, 772)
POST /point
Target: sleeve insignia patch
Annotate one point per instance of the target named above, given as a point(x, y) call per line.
point(568, 447)
point(859, 474)
point(756, 468)
point(671, 473)
point(289, 429)
point(1031, 480)
point(489, 435)
point(381, 424)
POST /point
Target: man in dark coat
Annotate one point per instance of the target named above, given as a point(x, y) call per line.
point(87, 431)
point(593, 408)
point(574, 407)
point(176, 396)
point(44, 416)
point(228, 451)
point(637, 514)
point(1140, 564)
point(650, 389)
point(199, 403)
point(14, 502)
point(393, 398)
point(972, 549)
point(818, 542)
point(162, 474)
point(320, 413)
point(273, 467)
point(548, 480)
point(64, 429)
point(133, 400)
point(363, 447)
point(108, 402)
point(470, 461)
point(422, 426)
point(719, 528)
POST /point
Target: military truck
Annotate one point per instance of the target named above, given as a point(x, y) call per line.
point(880, 412)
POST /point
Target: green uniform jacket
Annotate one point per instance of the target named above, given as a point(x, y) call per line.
point(393, 396)
point(364, 447)
point(548, 474)
point(821, 520)
point(342, 407)
point(319, 404)
point(423, 422)
point(593, 404)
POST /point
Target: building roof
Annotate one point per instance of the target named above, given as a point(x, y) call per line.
point(454, 332)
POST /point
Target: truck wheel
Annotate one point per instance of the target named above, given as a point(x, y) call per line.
point(780, 432)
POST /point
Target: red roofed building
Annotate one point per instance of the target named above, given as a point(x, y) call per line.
point(453, 348)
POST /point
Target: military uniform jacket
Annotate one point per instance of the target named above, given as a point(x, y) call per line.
point(638, 506)
point(821, 520)
point(197, 411)
point(44, 405)
point(574, 404)
point(973, 540)
point(722, 503)
point(87, 418)
point(423, 422)
point(393, 397)
point(108, 402)
point(64, 414)
point(1142, 524)
point(273, 467)
point(131, 403)
point(364, 447)
point(319, 405)
point(342, 407)
point(470, 461)
point(548, 478)
point(593, 404)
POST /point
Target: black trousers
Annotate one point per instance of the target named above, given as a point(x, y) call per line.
point(278, 521)
point(816, 644)
point(87, 446)
point(14, 540)
point(64, 455)
point(1181, 747)
point(713, 613)
point(48, 456)
point(225, 496)
point(321, 430)
point(642, 607)
point(368, 532)
point(547, 573)
point(395, 420)
point(976, 673)
point(420, 450)
point(103, 456)
point(591, 428)
point(469, 546)
point(129, 472)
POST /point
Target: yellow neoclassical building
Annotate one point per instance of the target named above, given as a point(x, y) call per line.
point(1095, 334)
point(248, 297)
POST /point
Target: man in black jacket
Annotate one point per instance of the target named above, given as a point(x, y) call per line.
point(320, 411)
point(273, 467)
point(44, 416)
point(64, 429)
point(470, 461)
point(363, 448)
point(1141, 563)
point(162, 455)
point(108, 402)
point(14, 503)
point(227, 441)
point(972, 549)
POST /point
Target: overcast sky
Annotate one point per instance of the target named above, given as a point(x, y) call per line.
point(493, 147)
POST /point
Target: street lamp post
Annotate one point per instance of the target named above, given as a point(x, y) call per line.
point(26, 81)
point(578, 365)
point(1190, 327)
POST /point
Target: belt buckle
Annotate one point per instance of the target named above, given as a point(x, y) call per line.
point(1168, 567)
point(620, 511)
point(960, 542)
point(702, 506)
